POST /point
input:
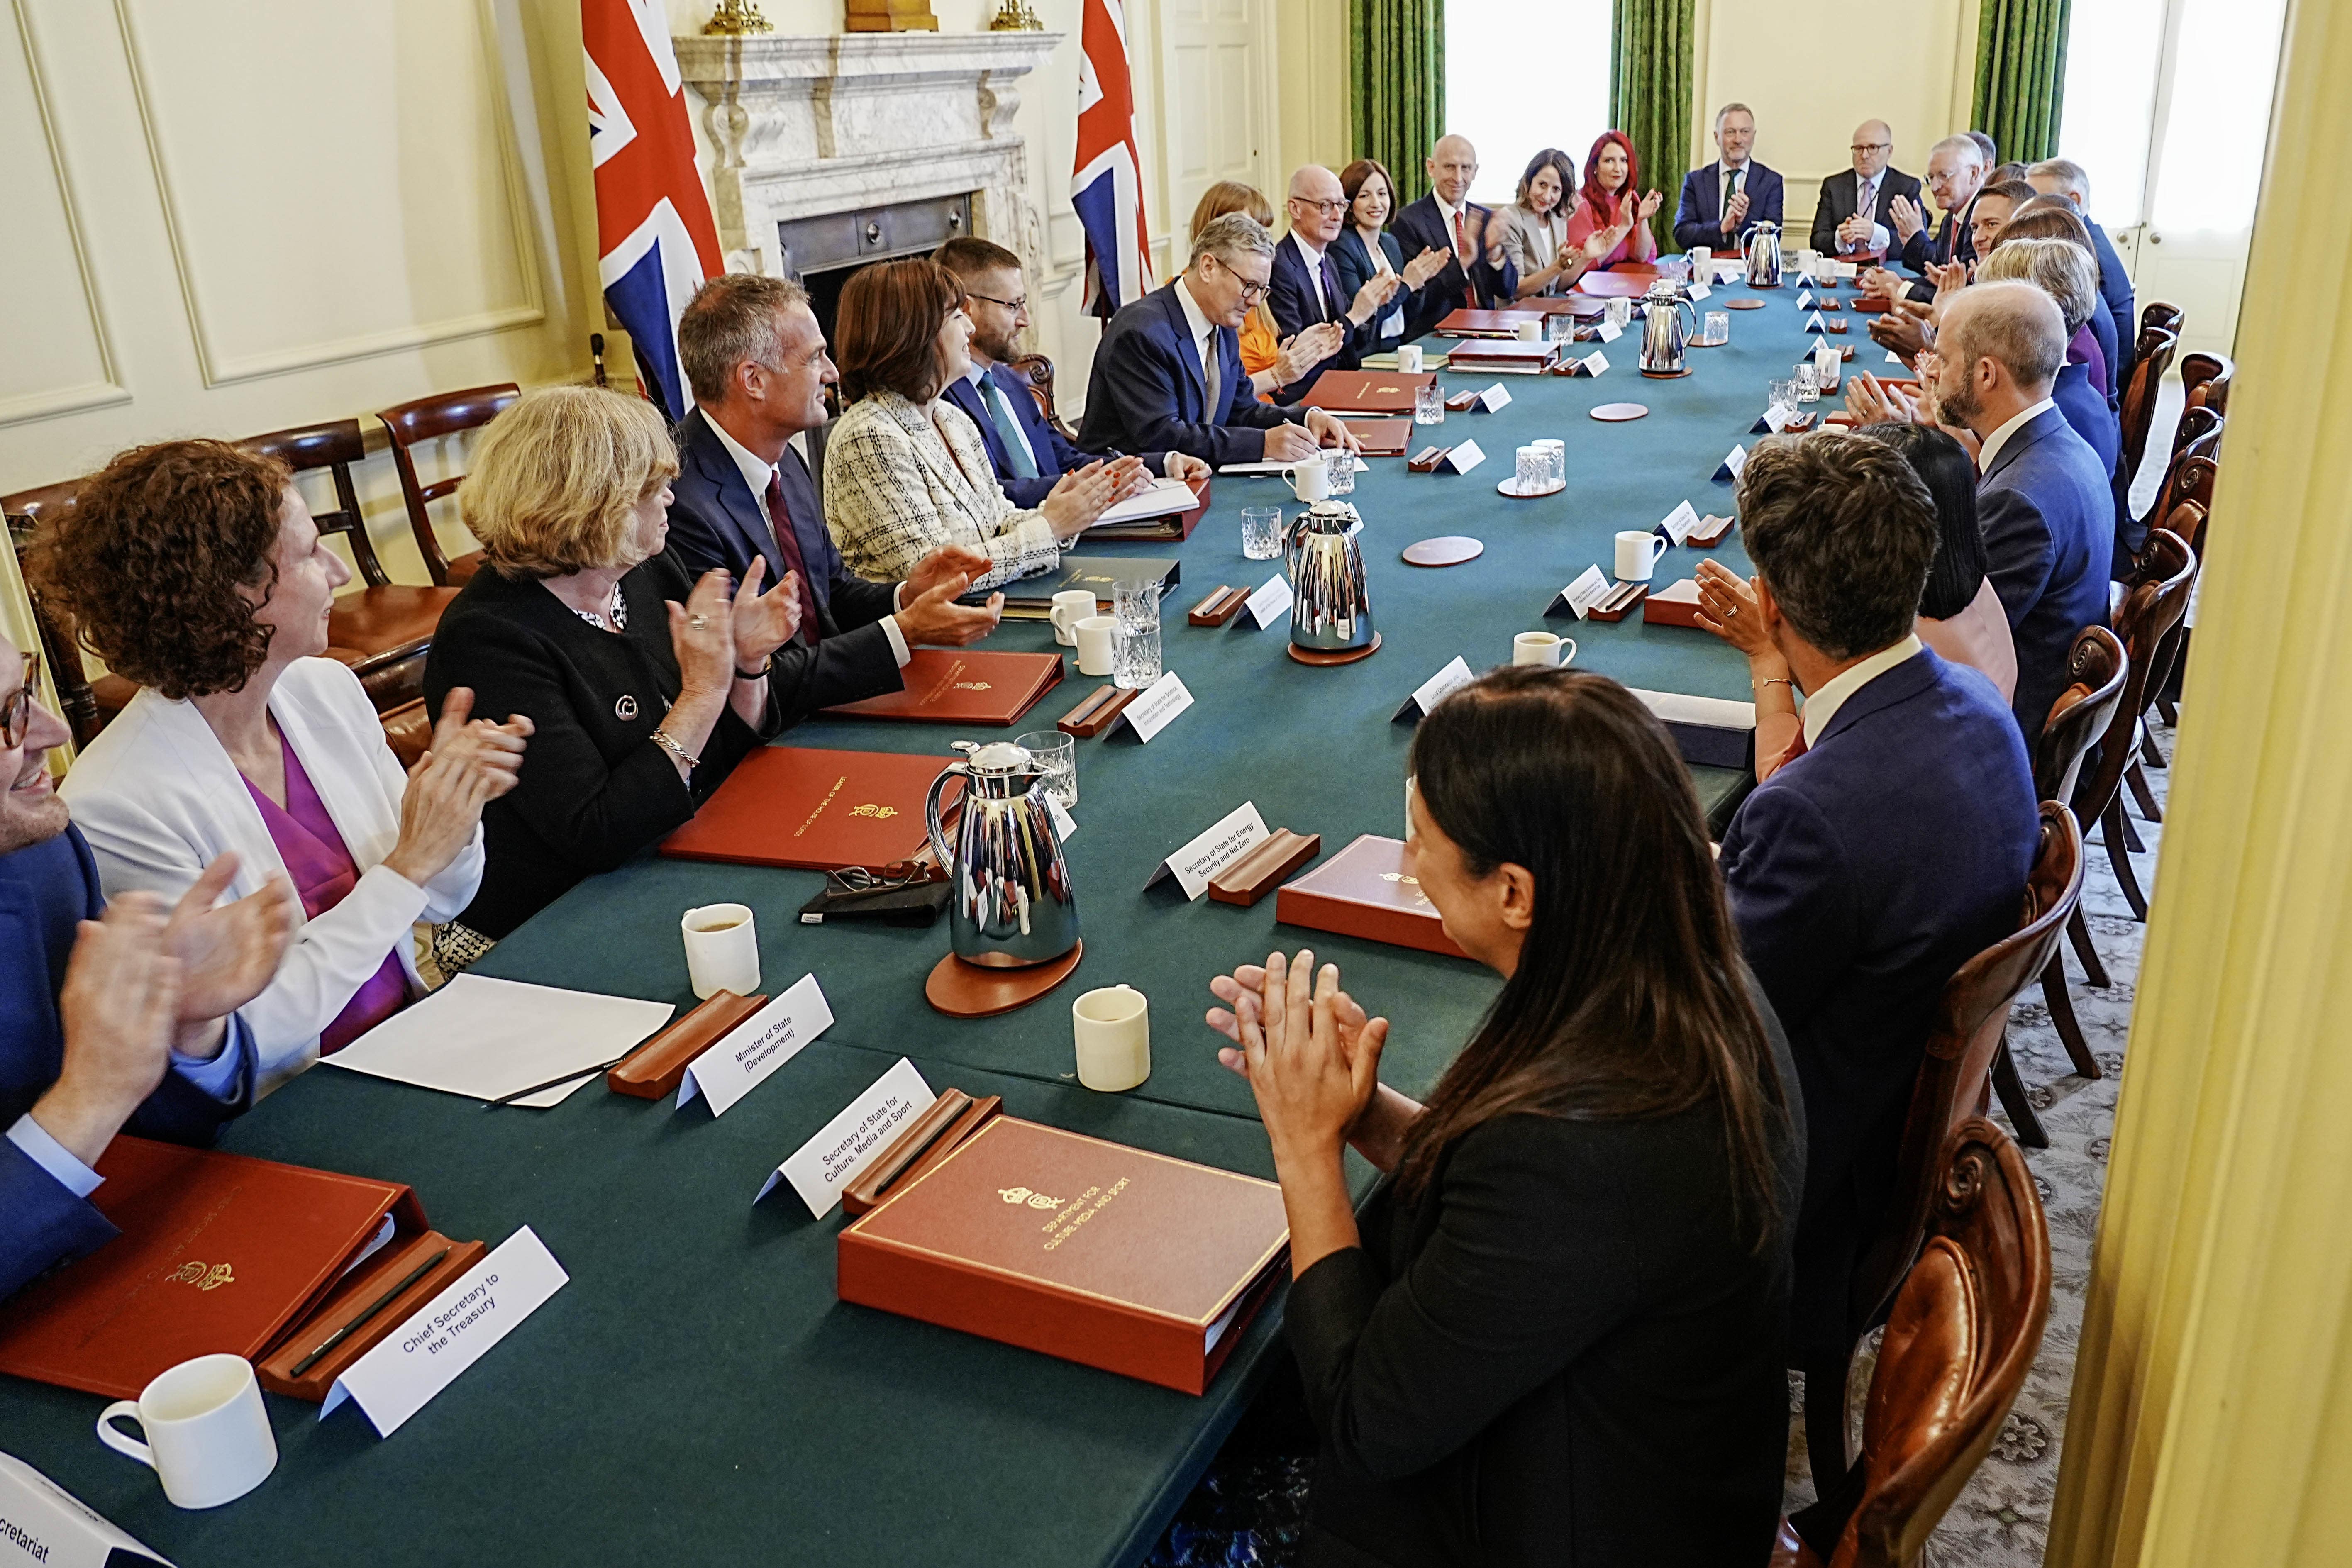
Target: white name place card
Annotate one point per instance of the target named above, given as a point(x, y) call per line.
point(1804, 299)
point(1894, 358)
point(1731, 269)
point(1771, 422)
point(1730, 468)
point(1155, 706)
point(1063, 823)
point(50, 1526)
point(1679, 523)
point(449, 1333)
point(740, 1059)
point(1461, 459)
point(1436, 690)
point(819, 1169)
point(1579, 597)
point(1700, 292)
point(1608, 333)
point(1271, 602)
point(1814, 323)
point(1268, 466)
point(1235, 834)
point(1849, 269)
point(1494, 398)
point(1592, 363)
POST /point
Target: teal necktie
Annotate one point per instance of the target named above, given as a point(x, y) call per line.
point(1016, 450)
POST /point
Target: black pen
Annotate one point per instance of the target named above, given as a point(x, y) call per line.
point(381, 1303)
point(571, 1077)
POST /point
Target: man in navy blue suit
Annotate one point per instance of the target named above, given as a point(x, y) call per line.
point(1955, 172)
point(1028, 453)
point(1862, 874)
point(2065, 177)
point(756, 360)
point(1167, 373)
point(1479, 272)
point(111, 1018)
point(1706, 216)
point(2043, 502)
point(1305, 293)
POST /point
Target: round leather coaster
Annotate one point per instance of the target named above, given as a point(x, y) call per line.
point(1667, 374)
point(963, 990)
point(1618, 413)
point(1743, 304)
point(1451, 551)
point(1343, 656)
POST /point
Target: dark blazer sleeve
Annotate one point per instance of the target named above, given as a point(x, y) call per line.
point(42, 1224)
point(1288, 297)
point(1138, 378)
point(1769, 194)
point(1792, 899)
point(1694, 224)
point(2116, 289)
point(2018, 550)
point(695, 540)
point(1826, 218)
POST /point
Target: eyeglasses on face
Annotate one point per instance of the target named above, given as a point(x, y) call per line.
point(1331, 208)
point(16, 709)
point(1015, 306)
point(1871, 146)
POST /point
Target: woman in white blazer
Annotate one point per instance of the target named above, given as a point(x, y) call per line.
point(905, 469)
point(194, 569)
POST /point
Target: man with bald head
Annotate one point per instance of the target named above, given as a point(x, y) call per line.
point(1855, 209)
point(1305, 289)
point(1478, 271)
point(1955, 172)
point(2043, 501)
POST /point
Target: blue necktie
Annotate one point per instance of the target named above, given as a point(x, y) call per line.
point(1000, 413)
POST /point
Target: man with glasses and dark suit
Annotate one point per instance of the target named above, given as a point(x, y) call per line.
point(1855, 212)
point(1305, 289)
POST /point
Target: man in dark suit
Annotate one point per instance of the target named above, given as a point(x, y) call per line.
point(1167, 373)
point(2043, 503)
point(1863, 872)
point(756, 360)
point(1708, 217)
point(1854, 211)
point(2065, 177)
point(1480, 273)
point(1029, 455)
point(1304, 292)
point(123, 1024)
point(1955, 172)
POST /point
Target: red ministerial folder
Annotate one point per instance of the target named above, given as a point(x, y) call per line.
point(953, 686)
point(222, 1253)
point(1468, 323)
point(1381, 438)
point(1632, 282)
point(1516, 354)
point(1582, 307)
point(1091, 1251)
point(1363, 891)
point(1171, 525)
point(814, 810)
point(1367, 391)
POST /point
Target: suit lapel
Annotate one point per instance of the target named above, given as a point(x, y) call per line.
point(1905, 681)
point(1180, 327)
point(966, 396)
point(2025, 435)
point(716, 466)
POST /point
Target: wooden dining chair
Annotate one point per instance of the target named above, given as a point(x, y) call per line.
point(2137, 407)
point(86, 704)
point(1038, 370)
point(2205, 378)
point(2162, 313)
point(1960, 1341)
point(2189, 522)
point(2097, 667)
point(408, 731)
point(413, 424)
point(2155, 594)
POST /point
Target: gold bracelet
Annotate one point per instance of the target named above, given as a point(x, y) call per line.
point(661, 738)
point(1753, 686)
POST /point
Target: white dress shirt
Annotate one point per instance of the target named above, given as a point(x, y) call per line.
point(757, 472)
point(2009, 426)
point(1822, 706)
point(1866, 203)
point(1455, 238)
point(1314, 259)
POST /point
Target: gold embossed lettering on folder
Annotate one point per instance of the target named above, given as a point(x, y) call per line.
point(1088, 1250)
point(950, 686)
point(814, 810)
point(1364, 890)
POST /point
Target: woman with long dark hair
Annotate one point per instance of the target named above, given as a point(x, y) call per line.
point(1611, 204)
point(1534, 227)
point(1559, 1336)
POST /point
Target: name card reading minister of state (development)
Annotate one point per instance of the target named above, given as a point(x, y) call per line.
point(740, 1059)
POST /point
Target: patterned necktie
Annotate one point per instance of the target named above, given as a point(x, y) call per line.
point(1461, 238)
point(1739, 176)
point(1330, 274)
point(1213, 377)
point(788, 540)
point(1000, 414)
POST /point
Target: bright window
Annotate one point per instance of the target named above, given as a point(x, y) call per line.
point(2211, 165)
point(2113, 47)
point(1518, 79)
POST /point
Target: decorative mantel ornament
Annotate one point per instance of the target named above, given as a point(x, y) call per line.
point(1016, 16)
point(889, 16)
point(737, 18)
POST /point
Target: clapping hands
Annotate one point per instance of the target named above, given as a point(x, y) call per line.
point(1311, 1056)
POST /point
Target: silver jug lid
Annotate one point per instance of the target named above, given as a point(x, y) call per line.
point(996, 757)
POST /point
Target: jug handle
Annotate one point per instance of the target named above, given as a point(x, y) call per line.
point(931, 816)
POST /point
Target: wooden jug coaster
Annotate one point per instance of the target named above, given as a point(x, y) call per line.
point(1317, 656)
point(962, 990)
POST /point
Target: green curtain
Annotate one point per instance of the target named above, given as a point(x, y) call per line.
point(1650, 94)
point(2022, 76)
point(1396, 58)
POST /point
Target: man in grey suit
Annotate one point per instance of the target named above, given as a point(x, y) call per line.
point(1855, 212)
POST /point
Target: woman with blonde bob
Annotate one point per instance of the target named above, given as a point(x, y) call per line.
point(645, 688)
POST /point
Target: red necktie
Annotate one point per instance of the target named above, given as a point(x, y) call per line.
point(1461, 239)
point(788, 539)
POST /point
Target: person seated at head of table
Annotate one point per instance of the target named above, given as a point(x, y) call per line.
point(1892, 847)
point(906, 471)
point(646, 687)
point(1366, 248)
point(1854, 211)
point(1030, 454)
point(1722, 204)
point(2054, 217)
point(1558, 1335)
point(1535, 227)
point(1168, 372)
point(1477, 274)
point(194, 569)
point(120, 1017)
point(2069, 274)
point(1612, 208)
point(1272, 363)
point(1304, 288)
point(2065, 177)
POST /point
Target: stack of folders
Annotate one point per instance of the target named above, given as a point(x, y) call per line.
point(1516, 356)
point(1032, 598)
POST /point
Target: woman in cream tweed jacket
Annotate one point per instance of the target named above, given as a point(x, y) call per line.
point(905, 470)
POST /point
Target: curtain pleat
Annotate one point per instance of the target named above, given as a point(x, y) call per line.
point(1650, 55)
point(1397, 73)
point(2022, 76)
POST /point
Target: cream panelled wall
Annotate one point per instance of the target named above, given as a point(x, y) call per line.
point(230, 219)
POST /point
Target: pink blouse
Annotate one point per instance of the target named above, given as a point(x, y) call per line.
point(1639, 246)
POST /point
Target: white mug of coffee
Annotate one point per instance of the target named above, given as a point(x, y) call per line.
point(723, 949)
point(1309, 478)
point(1071, 606)
point(1542, 647)
point(1094, 635)
point(1113, 1027)
point(208, 1438)
point(1528, 331)
point(1637, 555)
point(1408, 358)
point(1702, 264)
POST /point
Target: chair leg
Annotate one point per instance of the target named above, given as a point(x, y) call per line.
point(2012, 1089)
point(2152, 753)
point(2078, 932)
point(2167, 712)
point(2061, 1018)
point(1837, 1485)
point(2142, 794)
point(2116, 833)
point(2131, 845)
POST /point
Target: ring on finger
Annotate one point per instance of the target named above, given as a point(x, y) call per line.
point(698, 622)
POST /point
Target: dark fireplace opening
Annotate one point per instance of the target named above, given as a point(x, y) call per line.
point(824, 253)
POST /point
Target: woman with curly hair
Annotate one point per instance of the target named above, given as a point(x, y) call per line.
point(194, 569)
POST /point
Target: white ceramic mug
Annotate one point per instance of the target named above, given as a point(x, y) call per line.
point(723, 949)
point(1094, 635)
point(1070, 606)
point(1408, 358)
point(208, 1436)
point(1528, 331)
point(1542, 647)
point(1113, 1027)
point(1702, 264)
point(1636, 558)
point(1309, 478)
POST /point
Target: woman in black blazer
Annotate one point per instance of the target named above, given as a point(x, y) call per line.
point(1365, 247)
point(1559, 1337)
point(646, 688)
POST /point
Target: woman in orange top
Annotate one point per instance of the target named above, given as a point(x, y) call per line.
point(1608, 206)
point(1271, 361)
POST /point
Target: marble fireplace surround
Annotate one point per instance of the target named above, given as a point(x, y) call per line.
point(807, 127)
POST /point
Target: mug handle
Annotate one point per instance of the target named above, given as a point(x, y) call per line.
point(1569, 657)
point(108, 1434)
point(1663, 545)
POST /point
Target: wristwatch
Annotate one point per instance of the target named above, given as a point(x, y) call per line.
point(766, 665)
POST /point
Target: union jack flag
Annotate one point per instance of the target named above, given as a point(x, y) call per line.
point(656, 240)
point(1106, 187)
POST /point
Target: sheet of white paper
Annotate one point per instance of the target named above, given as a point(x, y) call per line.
point(1233, 834)
point(51, 1527)
point(1582, 595)
point(821, 1168)
point(1253, 467)
point(487, 1037)
point(740, 1059)
point(1163, 498)
point(1679, 523)
point(1271, 602)
point(1156, 705)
